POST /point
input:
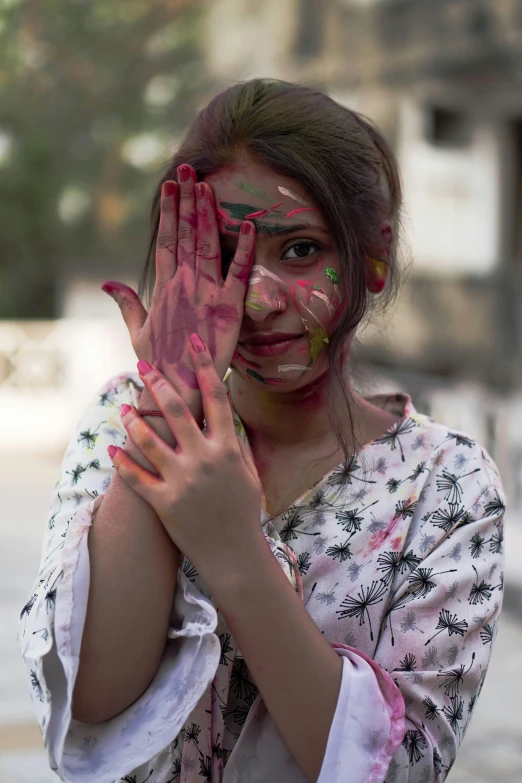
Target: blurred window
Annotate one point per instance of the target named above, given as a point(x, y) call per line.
point(447, 128)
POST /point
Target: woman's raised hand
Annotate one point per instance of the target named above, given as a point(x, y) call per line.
point(190, 294)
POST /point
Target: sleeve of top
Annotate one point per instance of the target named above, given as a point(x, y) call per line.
point(442, 618)
point(52, 621)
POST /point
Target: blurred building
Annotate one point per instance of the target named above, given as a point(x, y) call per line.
point(443, 80)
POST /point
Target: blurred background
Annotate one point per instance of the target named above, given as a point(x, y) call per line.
point(95, 96)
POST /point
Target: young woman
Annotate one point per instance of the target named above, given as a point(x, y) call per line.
point(270, 577)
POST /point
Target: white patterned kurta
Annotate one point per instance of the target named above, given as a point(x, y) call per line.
point(398, 557)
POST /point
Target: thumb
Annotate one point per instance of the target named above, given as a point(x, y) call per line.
point(132, 310)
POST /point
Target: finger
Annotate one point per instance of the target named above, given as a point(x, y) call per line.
point(208, 248)
point(142, 481)
point(216, 407)
point(132, 310)
point(154, 448)
point(187, 216)
point(166, 242)
point(239, 273)
point(177, 415)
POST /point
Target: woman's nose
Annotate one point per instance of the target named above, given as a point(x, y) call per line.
point(264, 297)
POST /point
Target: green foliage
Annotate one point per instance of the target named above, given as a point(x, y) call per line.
point(81, 82)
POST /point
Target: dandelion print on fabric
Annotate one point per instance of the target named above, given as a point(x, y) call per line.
point(398, 558)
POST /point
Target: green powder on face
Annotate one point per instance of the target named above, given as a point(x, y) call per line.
point(261, 228)
point(254, 305)
point(238, 211)
point(255, 375)
point(332, 274)
point(250, 189)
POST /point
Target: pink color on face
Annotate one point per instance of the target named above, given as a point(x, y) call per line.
point(292, 294)
point(307, 285)
point(276, 205)
point(302, 209)
point(241, 358)
point(256, 214)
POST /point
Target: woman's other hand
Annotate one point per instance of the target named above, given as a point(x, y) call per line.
point(190, 295)
point(207, 492)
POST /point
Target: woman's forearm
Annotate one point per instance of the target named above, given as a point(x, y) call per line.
point(133, 573)
point(296, 670)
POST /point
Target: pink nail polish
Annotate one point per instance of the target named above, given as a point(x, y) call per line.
point(246, 228)
point(112, 451)
point(169, 188)
point(183, 173)
point(124, 409)
point(197, 343)
point(144, 367)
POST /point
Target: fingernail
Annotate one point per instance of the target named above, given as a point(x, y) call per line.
point(169, 188)
point(144, 367)
point(200, 190)
point(197, 343)
point(124, 409)
point(109, 288)
point(183, 173)
point(112, 451)
point(246, 228)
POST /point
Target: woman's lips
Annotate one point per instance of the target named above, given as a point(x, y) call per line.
point(270, 349)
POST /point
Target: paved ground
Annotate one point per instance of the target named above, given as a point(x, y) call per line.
point(491, 751)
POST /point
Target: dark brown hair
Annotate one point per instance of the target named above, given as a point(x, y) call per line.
point(338, 155)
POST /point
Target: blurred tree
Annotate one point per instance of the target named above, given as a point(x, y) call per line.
point(94, 95)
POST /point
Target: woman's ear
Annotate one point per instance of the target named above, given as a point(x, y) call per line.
point(376, 269)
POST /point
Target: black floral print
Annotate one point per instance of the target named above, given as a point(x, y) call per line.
point(400, 553)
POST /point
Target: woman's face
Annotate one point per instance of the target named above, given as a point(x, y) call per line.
point(292, 299)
